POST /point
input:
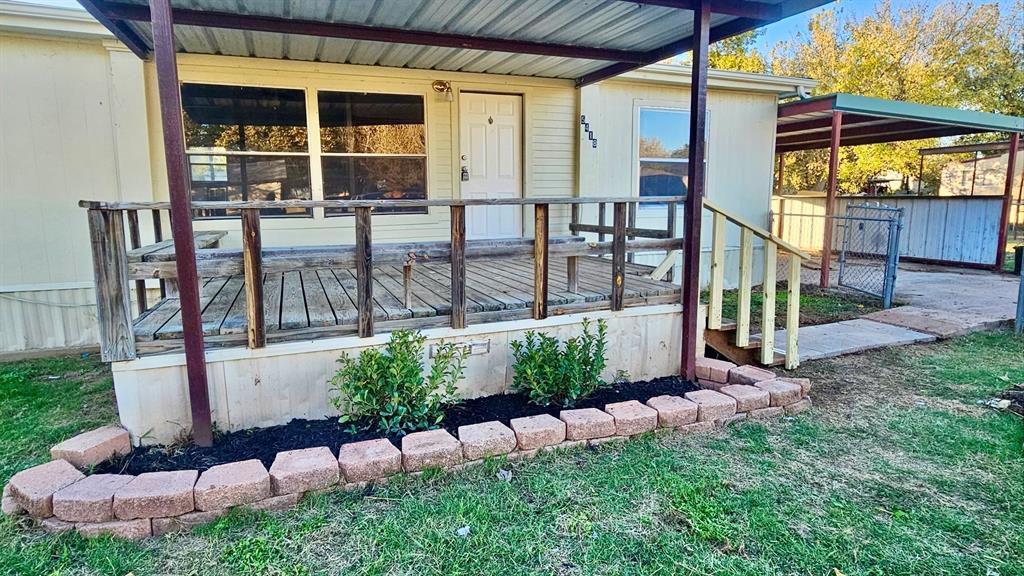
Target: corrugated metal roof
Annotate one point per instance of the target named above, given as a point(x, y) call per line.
point(641, 28)
point(806, 124)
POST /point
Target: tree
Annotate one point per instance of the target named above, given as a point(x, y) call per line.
point(738, 53)
point(953, 54)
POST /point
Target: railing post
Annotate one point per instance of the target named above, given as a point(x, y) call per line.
point(364, 272)
point(619, 256)
point(572, 263)
point(252, 265)
point(670, 226)
point(458, 217)
point(768, 303)
point(746, 279)
point(717, 283)
point(793, 313)
point(631, 224)
point(136, 242)
point(540, 262)
point(158, 236)
point(601, 219)
point(110, 271)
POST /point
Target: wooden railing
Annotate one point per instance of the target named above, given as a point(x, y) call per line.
point(772, 245)
point(114, 270)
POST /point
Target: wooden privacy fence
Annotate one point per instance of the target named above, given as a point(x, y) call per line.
point(772, 245)
point(116, 265)
point(955, 230)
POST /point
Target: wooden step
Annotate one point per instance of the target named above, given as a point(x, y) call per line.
point(723, 341)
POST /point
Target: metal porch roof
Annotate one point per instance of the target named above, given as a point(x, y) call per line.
point(807, 124)
point(585, 40)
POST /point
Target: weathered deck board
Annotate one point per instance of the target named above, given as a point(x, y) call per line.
point(326, 298)
point(166, 247)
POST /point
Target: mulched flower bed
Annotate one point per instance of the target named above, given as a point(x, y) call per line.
point(265, 443)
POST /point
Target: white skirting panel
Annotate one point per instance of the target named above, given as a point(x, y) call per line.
point(273, 385)
point(35, 319)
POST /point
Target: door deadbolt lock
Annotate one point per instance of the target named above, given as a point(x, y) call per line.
point(465, 174)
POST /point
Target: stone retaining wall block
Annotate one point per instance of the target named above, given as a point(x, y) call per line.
point(486, 439)
point(711, 405)
point(369, 460)
point(749, 374)
point(782, 393)
point(303, 470)
point(33, 488)
point(90, 499)
point(430, 449)
point(714, 370)
point(798, 407)
point(185, 522)
point(156, 494)
point(632, 417)
point(673, 411)
point(587, 423)
point(534, 432)
point(127, 529)
point(747, 397)
point(227, 485)
point(93, 447)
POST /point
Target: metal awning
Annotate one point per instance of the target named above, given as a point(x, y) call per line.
point(807, 124)
point(583, 40)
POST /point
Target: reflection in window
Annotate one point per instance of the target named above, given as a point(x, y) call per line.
point(374, 148)
point(246, 143)
point(664, 151)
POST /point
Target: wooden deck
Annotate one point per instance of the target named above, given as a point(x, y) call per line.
point(320, 303)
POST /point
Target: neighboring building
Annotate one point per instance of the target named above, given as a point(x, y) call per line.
point(981, 176)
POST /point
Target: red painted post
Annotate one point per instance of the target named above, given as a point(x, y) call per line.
point(1004, 221)
point(830, 197)
point(181, 218)
point(690, 291)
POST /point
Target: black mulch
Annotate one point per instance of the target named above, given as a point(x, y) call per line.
point(265, 443)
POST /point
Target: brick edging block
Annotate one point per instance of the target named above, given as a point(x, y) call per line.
point(158, 503)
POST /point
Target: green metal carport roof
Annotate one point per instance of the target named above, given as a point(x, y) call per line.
point(807, 124)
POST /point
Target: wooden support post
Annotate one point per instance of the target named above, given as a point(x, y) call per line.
point(110, 272)
point(364, 272)
point(252, 265)
point(717, 283)
point(136, 242)
point(158, 236)
point(178, 181)
point(768, 303)
point(746, 279)
point(630, 224)
point(1004, 219)
point(458, 217)
point(793, 313)
point(540, 262)
point(670, 226)
point(407, 283)
point(690, 293)
point(830, 198)
point(602, 210)
point(572, 263)
point(619, 256)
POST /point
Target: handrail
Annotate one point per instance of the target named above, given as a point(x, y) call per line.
point(756, 230)
point(397, 203)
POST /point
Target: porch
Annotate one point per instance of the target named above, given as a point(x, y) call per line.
point(319, 303)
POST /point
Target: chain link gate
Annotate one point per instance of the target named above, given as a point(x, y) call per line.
point(869, 252)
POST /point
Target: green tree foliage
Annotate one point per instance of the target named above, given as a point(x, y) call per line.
point(955, 54)
point(738, 53)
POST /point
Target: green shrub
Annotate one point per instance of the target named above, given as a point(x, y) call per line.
point(550, 373)
point(388, 385)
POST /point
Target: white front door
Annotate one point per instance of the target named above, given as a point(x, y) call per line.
point(490, 155)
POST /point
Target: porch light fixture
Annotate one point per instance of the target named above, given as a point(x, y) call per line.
point(444, 87)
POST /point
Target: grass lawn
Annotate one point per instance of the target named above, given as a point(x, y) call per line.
point(897, 470)
point(817, 306)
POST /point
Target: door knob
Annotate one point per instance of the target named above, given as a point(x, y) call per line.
point(465, 174)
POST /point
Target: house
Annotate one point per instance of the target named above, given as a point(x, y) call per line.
point(465, 148)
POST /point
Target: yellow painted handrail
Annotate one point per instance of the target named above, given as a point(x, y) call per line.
point(756, 230)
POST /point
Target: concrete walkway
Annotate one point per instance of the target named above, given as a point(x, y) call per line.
point(936, 303)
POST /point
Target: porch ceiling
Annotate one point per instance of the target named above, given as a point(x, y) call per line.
point(807, 124)
point(584, 40)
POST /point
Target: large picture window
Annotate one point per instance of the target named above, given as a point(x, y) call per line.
point(246, 143)
point(373, 148)
point(664, 141)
